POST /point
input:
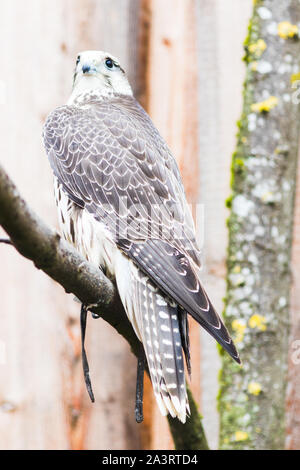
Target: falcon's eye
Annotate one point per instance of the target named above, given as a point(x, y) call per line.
point(109, 63)
point(78, 60)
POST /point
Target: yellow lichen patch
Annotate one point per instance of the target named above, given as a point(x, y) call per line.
point(239, 328)
point(257, 48)
point(287, 30)
point(295, 77)
point(241, 436)
point(239, 162)
point(268, 196)
point(258, 321)
point(237, 269)
point(254, 388)
point(265, 106)
point(254, 66)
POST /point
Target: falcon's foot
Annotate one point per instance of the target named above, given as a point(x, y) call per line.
point(85, 364)
point(140, 385)
point(6, 240)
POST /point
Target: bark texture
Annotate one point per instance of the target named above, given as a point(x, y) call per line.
point(252, 398)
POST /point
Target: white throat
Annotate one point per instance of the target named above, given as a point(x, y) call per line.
point(96, 85)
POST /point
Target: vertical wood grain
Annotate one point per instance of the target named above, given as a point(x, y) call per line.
point(221, 30)
point(293, 388)
point(172, 104)
point(43, 402)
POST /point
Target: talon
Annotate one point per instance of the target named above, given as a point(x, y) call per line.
point(95, 315)
point(139, 397)
point(92, 306)
point(85, 364)
point(6, 240)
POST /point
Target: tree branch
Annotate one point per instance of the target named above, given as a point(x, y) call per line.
point(33, 239)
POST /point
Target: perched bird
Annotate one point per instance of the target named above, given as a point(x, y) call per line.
point(121, 202)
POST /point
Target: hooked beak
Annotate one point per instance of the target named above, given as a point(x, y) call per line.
point(87, 69)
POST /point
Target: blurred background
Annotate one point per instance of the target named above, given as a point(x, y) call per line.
point(184, 61)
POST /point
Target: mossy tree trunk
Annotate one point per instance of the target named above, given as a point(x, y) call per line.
point(252, 398)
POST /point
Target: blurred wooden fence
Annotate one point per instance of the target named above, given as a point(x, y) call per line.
point(183, 58)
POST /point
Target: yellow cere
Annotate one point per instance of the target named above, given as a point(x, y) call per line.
point(254, 388)
point(241, 436)
point(287, 30)
point(257, 48)
point(258, 321)
point(265, 106)
point(239, 328)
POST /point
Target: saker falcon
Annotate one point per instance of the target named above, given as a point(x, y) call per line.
point(121, 202)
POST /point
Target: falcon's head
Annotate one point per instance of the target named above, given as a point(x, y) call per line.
point(99, 70)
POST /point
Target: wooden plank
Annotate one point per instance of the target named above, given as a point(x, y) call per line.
point(221, 28)
point(32, 322)
point(293, 389)
point(43, 402)
point(172, 104)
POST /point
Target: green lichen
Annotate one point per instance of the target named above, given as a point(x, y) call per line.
point(251, 38)
point(228, 201)
point(235, 432)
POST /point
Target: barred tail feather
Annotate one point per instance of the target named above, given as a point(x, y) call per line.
point(185, 338)
point(157, 324)
point(162, 342)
